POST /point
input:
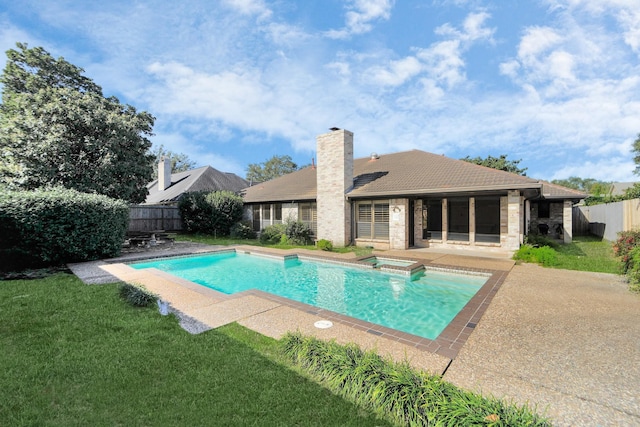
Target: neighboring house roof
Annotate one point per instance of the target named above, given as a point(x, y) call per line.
point(619, 188)
point(204, 178)
point(400, 174)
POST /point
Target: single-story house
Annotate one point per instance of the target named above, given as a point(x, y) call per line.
point(410, 199)
point(168, 188)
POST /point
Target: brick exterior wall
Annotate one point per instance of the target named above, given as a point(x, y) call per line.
point(334, 177)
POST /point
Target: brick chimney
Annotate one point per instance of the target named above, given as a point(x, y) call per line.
point(164, 174)
point(335, 178)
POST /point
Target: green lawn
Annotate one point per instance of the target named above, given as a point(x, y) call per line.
point(74, 354)
point(588, 253)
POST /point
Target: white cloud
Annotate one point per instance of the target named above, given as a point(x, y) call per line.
point(360, 16)
point(397, 72)
point(630, 20)
point(250, 7)
point(442, 62)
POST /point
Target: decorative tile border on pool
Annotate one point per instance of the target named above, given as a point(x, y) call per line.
point(447, 344)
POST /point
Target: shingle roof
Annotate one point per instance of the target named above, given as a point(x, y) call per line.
point(298, 185)
point(205, 178)
point(554, 191)
point(419, 172)
point(401, 174)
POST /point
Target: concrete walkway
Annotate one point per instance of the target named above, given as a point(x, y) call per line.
point(565, 342)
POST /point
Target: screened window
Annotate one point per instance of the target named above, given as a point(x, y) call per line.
point(458, 219)
point(372, 220)
point(432, 219)
point(488, 219)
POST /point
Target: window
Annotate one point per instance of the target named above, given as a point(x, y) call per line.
point(364, 221)
point(255, 215)
point(266, 213)
point(372, 220)
point(543, 209)
point(308, 215)
point(277, 213)
point(381, 221)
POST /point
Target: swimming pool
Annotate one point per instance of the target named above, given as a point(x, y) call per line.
point(421, 304)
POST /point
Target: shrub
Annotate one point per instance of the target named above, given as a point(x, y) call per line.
point(56, 226)
point(137, 296)
point(298, 233)
point(543, 255)
point(627, 241)
point(396, 391)
point(242, 230)
point(210, 212)
point(272, 234)
point(325, 245)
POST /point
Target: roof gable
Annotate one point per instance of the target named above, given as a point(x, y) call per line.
point(204, 178)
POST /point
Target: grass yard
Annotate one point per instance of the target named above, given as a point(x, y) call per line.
point(74, 354)
point(588, 253)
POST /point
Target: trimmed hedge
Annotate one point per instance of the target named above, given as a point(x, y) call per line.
point(212, 212)
point(57, 226)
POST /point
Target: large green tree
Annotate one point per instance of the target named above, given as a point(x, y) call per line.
point(500, 163)
point(58, 129)
point(588, 185)
point(636, 155)
point(180, 162)
point(272, 168)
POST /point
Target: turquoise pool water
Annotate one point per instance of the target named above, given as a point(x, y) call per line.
point(421, 305)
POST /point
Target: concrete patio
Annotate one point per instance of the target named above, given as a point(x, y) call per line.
point(565, 342)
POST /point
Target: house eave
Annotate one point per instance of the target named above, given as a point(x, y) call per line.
point(456, 190)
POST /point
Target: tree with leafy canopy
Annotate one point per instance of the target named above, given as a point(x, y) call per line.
point(272, 168)
point(58, 129)
point(587, 185)
point(500, 163)
point(636, 154)
point(180, 162)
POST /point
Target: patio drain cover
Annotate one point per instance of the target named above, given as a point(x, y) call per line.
point(323, 324)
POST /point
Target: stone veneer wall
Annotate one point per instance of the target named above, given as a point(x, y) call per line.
point(559, 213)
point(398, 224)
point(515, 233)
point(334, 177)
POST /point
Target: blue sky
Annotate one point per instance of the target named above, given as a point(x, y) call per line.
point(555, 83)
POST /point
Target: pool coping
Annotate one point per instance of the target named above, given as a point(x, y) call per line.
point(447, 344)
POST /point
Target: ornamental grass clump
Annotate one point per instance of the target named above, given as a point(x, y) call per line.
point(396, 391)
point(137, 296)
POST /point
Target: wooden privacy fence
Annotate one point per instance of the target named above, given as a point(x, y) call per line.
point(152, 218)
point(607, 220)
